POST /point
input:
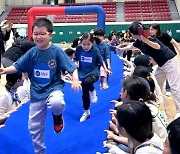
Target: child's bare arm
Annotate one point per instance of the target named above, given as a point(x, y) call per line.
point(76, 86)
point(8, 70)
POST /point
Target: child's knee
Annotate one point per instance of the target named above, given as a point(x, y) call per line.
point(56, 103)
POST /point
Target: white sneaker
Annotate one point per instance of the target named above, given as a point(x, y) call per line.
point(103, 86)
point(168, 94)
point(93, 96)
point(85, 116)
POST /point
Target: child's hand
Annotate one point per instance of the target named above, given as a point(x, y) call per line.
point(110, 134)
point(117, 103)
point(76, 85)
point(108, 145)
point(108, 72)
point(109, 68)
point(1, 71)
point(121, 58)
point(113, 112)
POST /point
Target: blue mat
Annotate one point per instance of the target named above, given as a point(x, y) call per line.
point(77, 138)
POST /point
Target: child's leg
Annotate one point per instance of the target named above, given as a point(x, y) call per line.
point(103, 79)
point(56, 102)
point(87, 86)
point(36, 125)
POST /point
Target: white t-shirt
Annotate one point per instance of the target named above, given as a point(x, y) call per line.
point(6, 103)
point(152, 146)
point(160, 122)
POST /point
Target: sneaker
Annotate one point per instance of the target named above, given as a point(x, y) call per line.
point(103, 86)
point(85, 116)
point(168, 94)
point(93, 96)
point(58, 123)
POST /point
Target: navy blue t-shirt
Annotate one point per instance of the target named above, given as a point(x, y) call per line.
point(160, 56)
point(44, 70)
point(89, 62)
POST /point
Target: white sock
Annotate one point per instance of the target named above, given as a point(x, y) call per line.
point(87, 111)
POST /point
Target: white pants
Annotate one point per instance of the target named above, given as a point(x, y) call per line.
point(170, 71)
point(37, 115)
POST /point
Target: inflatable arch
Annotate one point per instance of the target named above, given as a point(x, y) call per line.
point(65, 10)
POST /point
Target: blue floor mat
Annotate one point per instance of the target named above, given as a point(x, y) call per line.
point(77, 138)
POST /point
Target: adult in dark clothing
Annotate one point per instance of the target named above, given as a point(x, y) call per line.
point(164, 37)
point(168, 67)
point(167, 40)
point(15, 52)
point(5, 30)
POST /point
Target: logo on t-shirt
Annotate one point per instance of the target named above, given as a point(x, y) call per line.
point(52, 63)
point(41, 73)
point(86, 59)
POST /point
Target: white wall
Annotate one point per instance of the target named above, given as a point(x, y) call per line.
point(60, 1)
point(2, 6)
point(23, 2)
point(82, 1)
point(178, 5)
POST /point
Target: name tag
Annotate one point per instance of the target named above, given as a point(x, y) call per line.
point(86, 59)
point(42, 73)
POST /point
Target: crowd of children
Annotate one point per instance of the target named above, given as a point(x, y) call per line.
point(139, 122)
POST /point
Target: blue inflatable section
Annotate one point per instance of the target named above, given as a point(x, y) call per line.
point(89, 9)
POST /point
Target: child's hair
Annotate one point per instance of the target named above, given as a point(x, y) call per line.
point(133, 28)
point(135, 117)
point(69, 51)
point(11, 79)
point(85, 36)
point(137, 88)
point(99, 32)
point(136, 52)
point(174, 136)
point(142, 71)
point(43, 22)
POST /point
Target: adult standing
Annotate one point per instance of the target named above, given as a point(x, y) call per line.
point(168, 41)
point(164, 37)
point(15, 52)
point(168, 67)
point(5, 30)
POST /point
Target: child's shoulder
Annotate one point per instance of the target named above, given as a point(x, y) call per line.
point(56, 48)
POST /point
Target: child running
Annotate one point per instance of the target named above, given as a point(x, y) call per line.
point(44, 64)
point(90, 60)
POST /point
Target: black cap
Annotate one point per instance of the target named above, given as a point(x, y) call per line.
point(143, 60)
